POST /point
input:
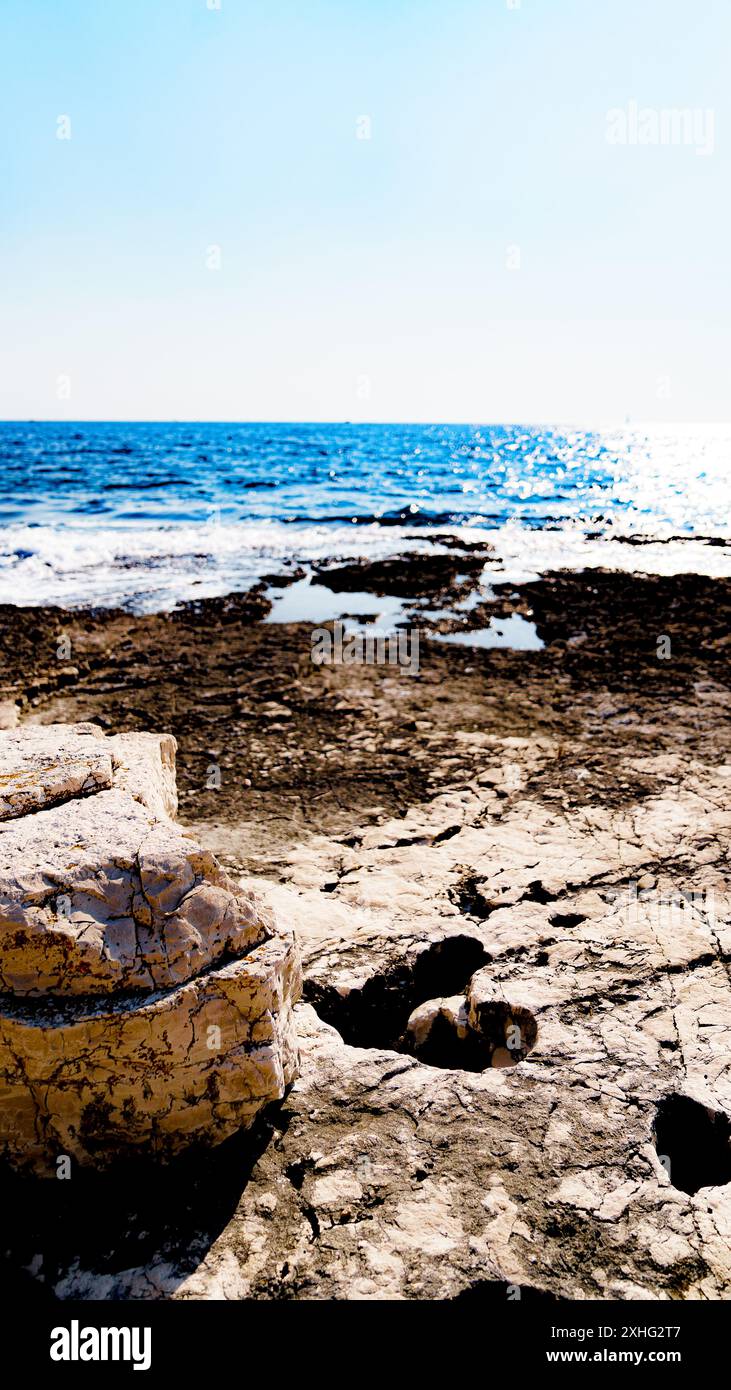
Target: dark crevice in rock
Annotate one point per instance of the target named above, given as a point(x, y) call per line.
point(509, 1031)
point(446, 834)
point(296, 1173)
point(567, 919)
point(445, 1047)
point(312, 1218)
point(468, 896)
point(377, 1014)
point(494, 1034)
point(537, 893)
point(62, 1010)
point(693, 1143)
point(55, 802)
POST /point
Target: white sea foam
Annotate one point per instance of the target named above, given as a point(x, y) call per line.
point(151, 568)
point(525, 555)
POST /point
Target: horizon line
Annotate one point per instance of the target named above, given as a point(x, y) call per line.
point(601, 424)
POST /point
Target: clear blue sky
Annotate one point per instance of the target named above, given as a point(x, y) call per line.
point(362, 279)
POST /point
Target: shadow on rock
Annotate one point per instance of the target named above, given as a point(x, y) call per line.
point(71, 1238)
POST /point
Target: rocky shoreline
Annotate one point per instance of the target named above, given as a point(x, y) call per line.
point(535, 838)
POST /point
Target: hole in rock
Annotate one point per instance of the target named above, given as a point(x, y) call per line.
point(693, 1143)
point(447, 1046)
point(439, 1033)
point(567, 919)
point(470, 899)
point(377, 1014)
point(536, 893)
point(508, 1030)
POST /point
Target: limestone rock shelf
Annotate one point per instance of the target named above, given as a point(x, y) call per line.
point(145, 997)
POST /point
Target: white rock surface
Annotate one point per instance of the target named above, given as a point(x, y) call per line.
point(41, 767)
point(99, 890)
point(145, 998)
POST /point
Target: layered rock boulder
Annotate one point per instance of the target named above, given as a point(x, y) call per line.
point(145, 997)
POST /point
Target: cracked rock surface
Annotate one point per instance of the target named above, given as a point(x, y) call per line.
point(541, 1169)
point(510, 876)
point(145, 997)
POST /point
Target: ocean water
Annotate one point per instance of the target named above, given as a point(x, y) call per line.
point(143, 515)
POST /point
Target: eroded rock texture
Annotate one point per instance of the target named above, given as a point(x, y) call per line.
point(515, 1068)
point(527, 1013)
point(511, 836)
point(145, 996)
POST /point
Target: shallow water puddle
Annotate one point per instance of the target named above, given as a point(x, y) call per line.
point(304, 602)
point(514, 632)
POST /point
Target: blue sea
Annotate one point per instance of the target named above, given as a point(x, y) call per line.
point(144, 515)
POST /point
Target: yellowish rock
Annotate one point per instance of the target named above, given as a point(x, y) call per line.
point(145, 997)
